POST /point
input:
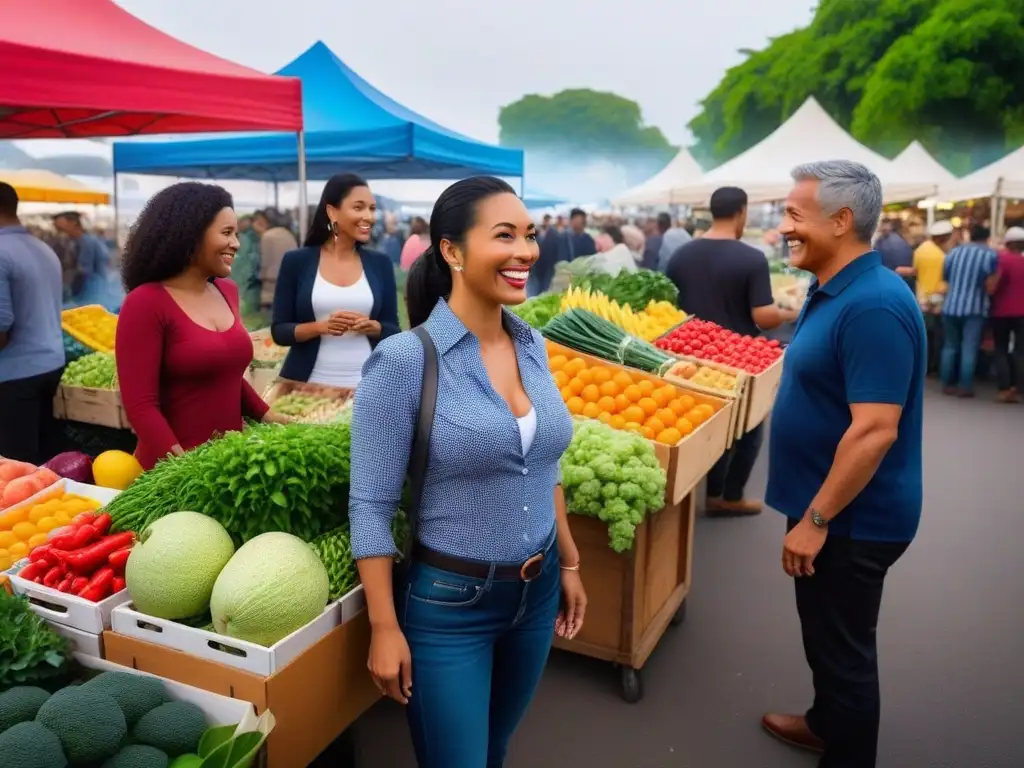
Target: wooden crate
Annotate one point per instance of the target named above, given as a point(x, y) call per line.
point(739, 395)
point(634, 596)
point(763, 389)
point(102, 407)
point(59, 409)
point(688, 461)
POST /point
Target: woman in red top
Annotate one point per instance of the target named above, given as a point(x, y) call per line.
point(181, 348)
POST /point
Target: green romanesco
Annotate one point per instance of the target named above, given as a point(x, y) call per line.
point(614, 476)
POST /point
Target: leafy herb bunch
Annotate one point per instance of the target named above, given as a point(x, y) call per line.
point(30, 652)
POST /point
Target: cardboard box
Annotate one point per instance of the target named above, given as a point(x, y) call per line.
point(314, 698)
point(102, 407)
point(250, 657)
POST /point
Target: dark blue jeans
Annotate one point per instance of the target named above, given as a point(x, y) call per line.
point(963, 339)
point(479, 647)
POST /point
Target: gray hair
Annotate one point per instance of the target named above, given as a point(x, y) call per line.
point(846, 184)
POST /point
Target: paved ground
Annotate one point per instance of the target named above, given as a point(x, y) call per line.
point(951, 638)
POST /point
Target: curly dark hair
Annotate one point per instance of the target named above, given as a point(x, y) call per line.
point(165, 237)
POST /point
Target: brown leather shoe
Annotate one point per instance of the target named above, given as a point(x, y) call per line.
point(719, 507)
point(1008, 396)
point(793, 730)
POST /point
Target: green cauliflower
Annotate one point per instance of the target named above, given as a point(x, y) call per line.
point(135, 694)
point(30, 745)
point(138, 756)
point(88, 723)
point(20, 704)
point(614, 476)
point(175, 728)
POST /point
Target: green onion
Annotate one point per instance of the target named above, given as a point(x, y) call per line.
point(584, 331)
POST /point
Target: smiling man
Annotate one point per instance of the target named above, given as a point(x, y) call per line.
point(845, 452)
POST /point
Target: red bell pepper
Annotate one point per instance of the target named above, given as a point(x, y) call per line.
point(99, 585)
point(87, 560)
point(53, 576)
point(65, 584)
point(34, 571)
point(117, 585)
point(119, 559)
point(78, 584)
point(102, 523)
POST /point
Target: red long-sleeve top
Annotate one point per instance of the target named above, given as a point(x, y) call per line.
point(181, 383)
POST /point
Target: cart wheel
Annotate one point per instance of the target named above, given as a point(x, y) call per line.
point(632, 685)
point(680, 615)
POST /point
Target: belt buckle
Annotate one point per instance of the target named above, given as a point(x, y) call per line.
point(531, 569)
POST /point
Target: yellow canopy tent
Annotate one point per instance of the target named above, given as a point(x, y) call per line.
point(36, 186)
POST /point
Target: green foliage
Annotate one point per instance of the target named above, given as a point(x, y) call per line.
point(613, 476)
point(633, 289)
point(268, 477)
point(97, 370)
point(945, 72)
point(584, 121)
point(30, 652)
point(334, 549)
point(540, 309)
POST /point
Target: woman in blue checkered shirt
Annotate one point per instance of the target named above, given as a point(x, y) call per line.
point(495, 572)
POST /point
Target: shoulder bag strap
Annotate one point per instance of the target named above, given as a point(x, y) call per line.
point(420, 454)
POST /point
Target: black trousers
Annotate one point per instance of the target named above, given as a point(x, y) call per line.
point(28, 431)
point(933, 326)
point(728, 478)
point(838, 609)
point(1009, 365)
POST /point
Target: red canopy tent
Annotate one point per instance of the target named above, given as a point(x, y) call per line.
point(85, 68)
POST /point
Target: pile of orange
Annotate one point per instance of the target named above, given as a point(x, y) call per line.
point(627, 401)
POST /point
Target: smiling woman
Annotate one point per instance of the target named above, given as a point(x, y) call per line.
point(181, 348)
point(335, 299)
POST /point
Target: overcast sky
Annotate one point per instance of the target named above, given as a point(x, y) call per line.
point(459, 61)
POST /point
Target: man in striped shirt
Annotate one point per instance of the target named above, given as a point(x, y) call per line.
point(968, 274)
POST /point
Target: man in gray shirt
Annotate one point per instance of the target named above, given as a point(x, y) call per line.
point(31, 340)
point(674, 239)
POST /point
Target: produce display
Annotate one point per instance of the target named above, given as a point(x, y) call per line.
point(33, 654)
point(710, 341)
point(267, 477)
point(20, 481)
point(631, 289)
point(172, 571)
point(297, 404)
point(73, 349)
point(83, 559)
point(25, 529)
point(265, 353)
point(648, 324)
point(72, 465)
point(272, 586)
point(540, 309)
point(97, 370)
point(622, 400)
point(584, 331)
point(334, 549)
point(93, 326)
point(705, 375)
point(613, 476)
point(115, 469)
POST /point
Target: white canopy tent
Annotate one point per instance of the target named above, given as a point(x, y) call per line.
point(915, 167)
point(681, 171)
point(809, 135)
point(1003, 178)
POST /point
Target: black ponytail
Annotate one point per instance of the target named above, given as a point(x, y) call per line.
point(337, 188)
point(454, 214)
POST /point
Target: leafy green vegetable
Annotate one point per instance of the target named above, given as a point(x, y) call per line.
point(614, 476)
point(97, 370)
point(540, 309)
point(635, 289)
point(268, 477)
point(334, 549)
point(30, 652)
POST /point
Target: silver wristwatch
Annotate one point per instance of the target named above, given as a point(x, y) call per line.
point(817, 519)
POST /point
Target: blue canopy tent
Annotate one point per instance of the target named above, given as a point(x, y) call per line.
point(534, 199)
point(349, 126)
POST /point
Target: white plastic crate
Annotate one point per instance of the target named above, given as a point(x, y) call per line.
point(85, 643)
point(62, 608)
point(258, 659)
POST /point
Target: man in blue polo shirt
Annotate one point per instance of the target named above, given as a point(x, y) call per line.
point(845, 452)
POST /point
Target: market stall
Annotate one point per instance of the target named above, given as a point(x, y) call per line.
point(35, 186)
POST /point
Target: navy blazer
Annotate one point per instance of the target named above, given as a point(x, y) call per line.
point(293, 304)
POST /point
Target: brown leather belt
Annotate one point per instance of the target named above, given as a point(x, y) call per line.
point(528, 570)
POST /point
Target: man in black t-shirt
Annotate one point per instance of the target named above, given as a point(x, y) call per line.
point(728, 282)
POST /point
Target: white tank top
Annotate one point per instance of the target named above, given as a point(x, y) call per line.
point(527, 429)
point(339, 363)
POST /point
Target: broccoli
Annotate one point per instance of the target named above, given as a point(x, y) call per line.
point(614, 476)
point(135, 694)
point(88, 723)
point(20, 704)
point(175, 728)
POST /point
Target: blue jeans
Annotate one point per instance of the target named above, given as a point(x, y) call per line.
point(963, 337)
point(479, 647)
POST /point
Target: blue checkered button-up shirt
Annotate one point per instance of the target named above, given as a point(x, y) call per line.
point(483, 498)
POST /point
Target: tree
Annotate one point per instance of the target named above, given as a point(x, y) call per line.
point(945, 72)
point(583, 121)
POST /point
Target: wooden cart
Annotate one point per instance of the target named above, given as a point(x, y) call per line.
point(633, 596)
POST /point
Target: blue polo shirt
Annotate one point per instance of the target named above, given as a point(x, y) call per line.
point(860, 339)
